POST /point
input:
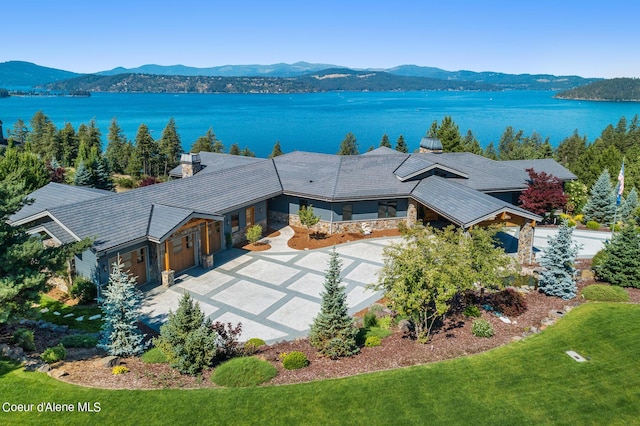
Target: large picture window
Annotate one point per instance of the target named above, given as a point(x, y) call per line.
point(387, 209)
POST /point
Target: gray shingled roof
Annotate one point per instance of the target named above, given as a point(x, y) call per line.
point(383, 150)
point(547, 165)
point(125, 217)
point(460, 204)
point(415, 166)
point(214, 162)
point(165, 218)
point(308, 174)
point(53, 228)
point(54, 195)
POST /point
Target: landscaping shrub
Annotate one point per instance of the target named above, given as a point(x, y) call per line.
point(472, 311)
point(254, 233)
point(79, 341)
point(370, 319)
point(571, 223)
point(294, 360)
point(373, 341)
point(228, 344)
point(385, 322)
point(508, 302)
point(126, 183)
point(482, 328)
point(24, 338)
point(605, 293)
point(242, 372)
point(54, 354)
point(84, 290)
point(119, 369)
point(153, 356)
point(592, 224)
point(579, 218)
point(251, 346)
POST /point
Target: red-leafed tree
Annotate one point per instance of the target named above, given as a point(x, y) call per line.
point(544, 194)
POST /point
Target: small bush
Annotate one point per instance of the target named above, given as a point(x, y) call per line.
point(251, 346)
point(370, 319)
point(126, 183)
point(571, 223)
point(385, 322)
point(605, 293)
point(84, 290)
point(119, 369)
point(373, 341)
point(294, 360)
point(564, 216)
point(508, 302)
point(472, 311)
point(616, 227)
point(579, 218)
point(228, 344)
point(54, 354)
point(24, 338)
point(482, 328)
point(79, 341)
point(153, 356)
point(242, 372)
point(254, 233)
point(592, 224)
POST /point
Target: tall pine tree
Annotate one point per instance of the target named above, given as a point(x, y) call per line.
point(170, 147)
point(349, 145)
point(333, 332)
point(121, 304)
point(116, 153)
point(401, 145)
point(559, 258)
point(385, 141)
point(622, 260)
point(629, 205)
point(276, 151)
point(601, 205)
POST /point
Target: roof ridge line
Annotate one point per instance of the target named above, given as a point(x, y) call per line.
point(335, 183)
point(150, 218)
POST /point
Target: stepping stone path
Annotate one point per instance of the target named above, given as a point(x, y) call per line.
point(80, 318)
point(94, 317)
point(56, 313)
point(44, 310)
point(68, 315)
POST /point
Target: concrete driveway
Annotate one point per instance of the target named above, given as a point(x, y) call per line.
point(275, 294)
point(589, 242)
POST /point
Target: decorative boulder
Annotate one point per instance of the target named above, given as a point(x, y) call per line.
point(108, 362)
point(406, 327)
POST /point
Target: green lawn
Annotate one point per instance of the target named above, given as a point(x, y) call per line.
point(92, 326)
point(528, 382)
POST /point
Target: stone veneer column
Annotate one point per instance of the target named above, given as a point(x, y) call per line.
point(525, 244)
point(206, 261)
point(412, 213)
point(168, 278)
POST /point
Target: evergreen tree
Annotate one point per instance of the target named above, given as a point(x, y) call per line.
point(570, 150)
point(102, 175)
point(333, 332)
point(622, 260)
point(121, 304)
point(207, 143)
point(234, 149)
point(22, 162)
point(25, 263)
point(307, 218)
point(246, 152)
point(557, 279)
point(69, 144)
point(629, 205)
point(91, 136)
point(186, 339)
point(601, 205)
point(41, 137)
point(401, 145)
point(19, 134)
point(83, 176)
point(349, 145)
point(471, 144)
point(385, 141)
point(490, 152)
point(449, 134)
point(276, 151)
point(170, 147)
point(147, 151)
point(134, 163)
point(116, 152)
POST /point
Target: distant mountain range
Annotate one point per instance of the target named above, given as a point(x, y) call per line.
point(405, 77)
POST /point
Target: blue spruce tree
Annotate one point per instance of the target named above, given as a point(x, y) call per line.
point(558, 262)
point(629, 205)
point(84, 177)
point(622, 260)
point(121, 303)
point(601, 205)
point(333, 332)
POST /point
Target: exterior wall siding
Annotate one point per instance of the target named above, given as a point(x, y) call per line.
point(86, 266)
point(260, 218)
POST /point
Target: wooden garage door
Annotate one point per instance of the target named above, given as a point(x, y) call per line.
point(215, 241)
point(181, 253)
point(135, 263)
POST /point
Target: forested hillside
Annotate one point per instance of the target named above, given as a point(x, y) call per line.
point(616, 89)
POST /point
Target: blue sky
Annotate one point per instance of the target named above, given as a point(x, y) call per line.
point(587, 38)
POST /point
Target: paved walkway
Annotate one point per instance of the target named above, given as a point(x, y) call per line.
point(275, 294)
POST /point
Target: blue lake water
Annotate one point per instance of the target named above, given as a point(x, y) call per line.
point(319, 122)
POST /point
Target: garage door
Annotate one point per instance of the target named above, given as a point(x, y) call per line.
point(135, 263)
point(181, 253)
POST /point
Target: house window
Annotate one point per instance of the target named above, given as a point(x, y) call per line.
point(235, 222)
point(387, 209)
point(250, 216)
point(347, 212)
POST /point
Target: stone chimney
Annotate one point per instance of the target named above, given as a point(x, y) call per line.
point(190, 164)
point(431, 145)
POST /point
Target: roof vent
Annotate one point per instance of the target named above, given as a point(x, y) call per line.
point(431, 145)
